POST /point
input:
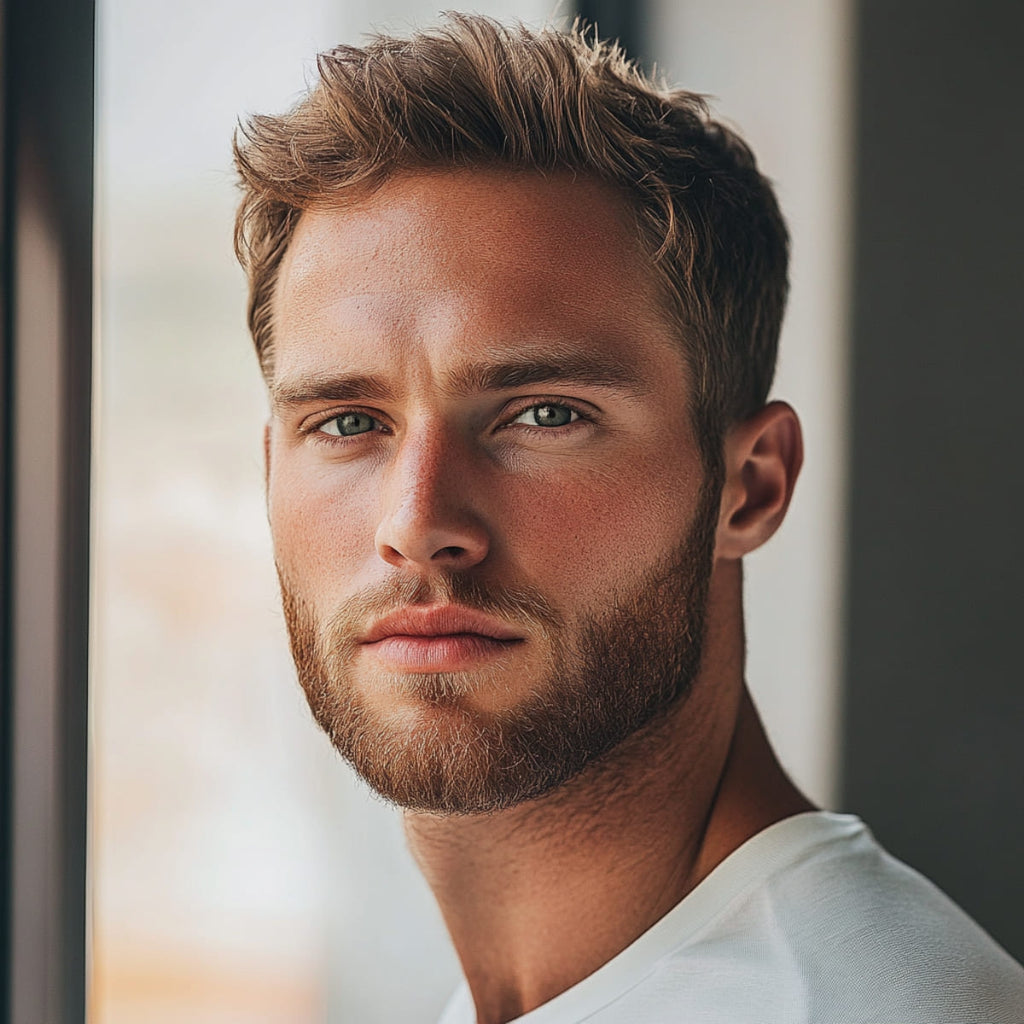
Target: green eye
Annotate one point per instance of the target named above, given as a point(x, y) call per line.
point(547, 415)
point(349, 425)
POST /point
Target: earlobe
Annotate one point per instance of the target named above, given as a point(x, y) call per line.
point(763, 456)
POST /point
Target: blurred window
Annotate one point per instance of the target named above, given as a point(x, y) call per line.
point(238, 872)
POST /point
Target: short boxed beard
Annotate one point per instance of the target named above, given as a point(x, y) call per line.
point(619, 671)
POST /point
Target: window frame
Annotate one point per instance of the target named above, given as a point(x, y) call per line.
point(46, 328)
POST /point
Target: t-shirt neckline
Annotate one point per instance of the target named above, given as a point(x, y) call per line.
point(764, 854)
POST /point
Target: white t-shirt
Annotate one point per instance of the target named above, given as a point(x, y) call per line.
point(809, 922)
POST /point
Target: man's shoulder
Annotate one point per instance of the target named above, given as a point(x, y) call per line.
point(809, 922)
point(821, 921)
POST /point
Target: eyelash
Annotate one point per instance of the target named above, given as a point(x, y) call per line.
point(582, 413)
point(315, 429)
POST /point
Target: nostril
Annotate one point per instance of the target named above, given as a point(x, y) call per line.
point(445, 542)
point(450, 552)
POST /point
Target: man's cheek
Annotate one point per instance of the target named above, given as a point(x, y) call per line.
point(322, 535)
point(590, 531)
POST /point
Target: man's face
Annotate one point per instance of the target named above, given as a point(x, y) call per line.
point(488, 505)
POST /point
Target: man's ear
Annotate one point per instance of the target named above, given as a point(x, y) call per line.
point(763, 456)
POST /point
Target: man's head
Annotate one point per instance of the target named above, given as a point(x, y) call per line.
point(508, 298)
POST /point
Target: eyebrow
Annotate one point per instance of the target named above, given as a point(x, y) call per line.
point(333, 387)
point(571, 368)
point(576, 368)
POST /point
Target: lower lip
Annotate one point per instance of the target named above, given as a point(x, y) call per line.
point(449, 653)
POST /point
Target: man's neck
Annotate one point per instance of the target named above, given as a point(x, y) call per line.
point(538, 897)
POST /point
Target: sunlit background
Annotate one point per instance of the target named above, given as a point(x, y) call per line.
point(239, 874)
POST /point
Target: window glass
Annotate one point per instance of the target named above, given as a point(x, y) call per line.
point(238, 873)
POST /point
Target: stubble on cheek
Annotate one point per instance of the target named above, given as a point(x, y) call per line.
point(423, 741)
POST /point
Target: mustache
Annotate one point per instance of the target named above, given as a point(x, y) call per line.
point(521, 604)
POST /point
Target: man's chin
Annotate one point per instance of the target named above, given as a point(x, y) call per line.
point(434, 752)
point(436, 705)
point(487, 691)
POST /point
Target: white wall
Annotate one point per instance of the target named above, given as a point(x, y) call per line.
point(779, 73)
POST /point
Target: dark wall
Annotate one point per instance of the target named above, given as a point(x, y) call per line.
point(934, 687)
point(621, 20)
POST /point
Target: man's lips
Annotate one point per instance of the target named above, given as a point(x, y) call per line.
point(439, 638)
point(439, 621)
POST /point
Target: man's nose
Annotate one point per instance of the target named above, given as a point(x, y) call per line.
point(430, 519)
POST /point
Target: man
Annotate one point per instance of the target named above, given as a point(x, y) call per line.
point(518, 311)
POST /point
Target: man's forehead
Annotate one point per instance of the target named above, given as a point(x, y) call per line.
point(466, 220)
point(473, 262)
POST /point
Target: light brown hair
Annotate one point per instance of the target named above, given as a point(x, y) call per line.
point(476, 93)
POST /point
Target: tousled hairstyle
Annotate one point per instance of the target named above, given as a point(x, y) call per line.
point(476, 93)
